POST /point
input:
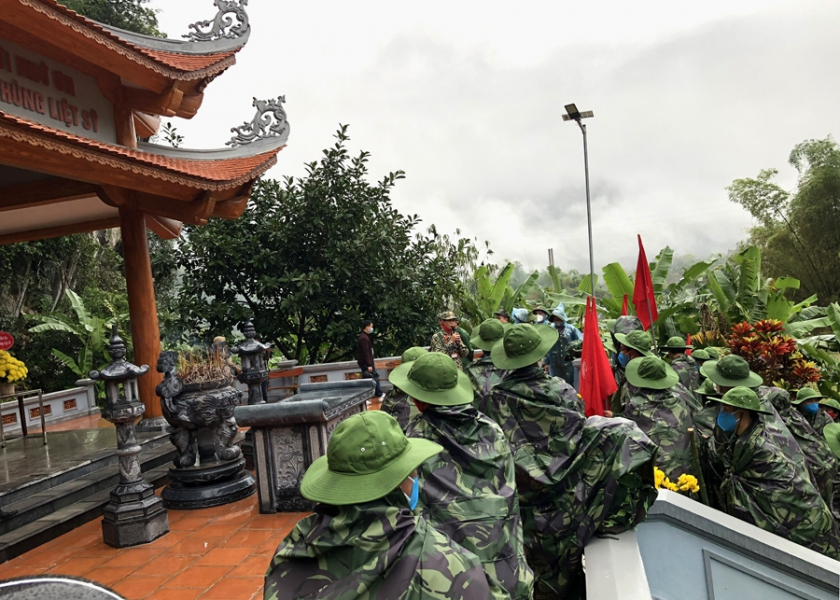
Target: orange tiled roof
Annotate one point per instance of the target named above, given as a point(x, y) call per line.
point(226, 172)
point(174, 60)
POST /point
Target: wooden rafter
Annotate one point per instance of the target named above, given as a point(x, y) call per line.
point(61, 230)
point(46, 191)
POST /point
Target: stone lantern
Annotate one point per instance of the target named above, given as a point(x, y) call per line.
point(134, 515)
point(254, 371)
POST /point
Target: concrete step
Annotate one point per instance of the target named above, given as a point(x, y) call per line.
point(64, 519)
point(55, 498)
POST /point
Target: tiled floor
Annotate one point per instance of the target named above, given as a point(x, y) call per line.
point(215, 553)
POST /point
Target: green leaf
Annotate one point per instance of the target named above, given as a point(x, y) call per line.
point(800, 329)
point(586, 284)
point(617, 281)
point(51, 324)
point(832, 315)
point(555, 278)
point(525, 287)
point(786, 283)
point(500, 286)
point(79, 308)
point(68, 362)
point(661, 268)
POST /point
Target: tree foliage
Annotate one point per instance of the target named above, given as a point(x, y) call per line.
point(799, 230)
point(314, 256)
point(130, 15)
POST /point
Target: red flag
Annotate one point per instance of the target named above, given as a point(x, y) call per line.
point(596, 377)
point(643, 297)
point(688, 343)
point(624, 309)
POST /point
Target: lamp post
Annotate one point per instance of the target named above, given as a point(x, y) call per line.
point(573, 114)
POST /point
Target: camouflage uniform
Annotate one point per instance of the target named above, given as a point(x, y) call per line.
point(400, 406)
point(576, 477)
point(468, 491)
point(818, 420)
point(819, 459)
point(623, 324)
point(374, 551)
point(686, 368)
point(665, 418)
point(441, 343)
point(776, 428)
point(759, 484)
point(484, 375)
point(692, 401)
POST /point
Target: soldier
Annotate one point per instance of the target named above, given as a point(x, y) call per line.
point(502, 315)
point(628, 346)
point(452, 340)
point(704, 419)
point(733, 371)
point(483, 373)
point(576, 476)
point(660, 412)
point(558, 366)
point(808, 403)
point(715, 353)
point(683, 364)
point(759, 484)
point(540, 315)
point(364, 540)
point(831, 408)
point(396, 402)
point(468, 491)
point(700, 356)
point(623, 324)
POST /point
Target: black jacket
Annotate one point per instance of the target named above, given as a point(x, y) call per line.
point(364, 352)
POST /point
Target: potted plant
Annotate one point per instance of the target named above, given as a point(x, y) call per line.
point(11, 370)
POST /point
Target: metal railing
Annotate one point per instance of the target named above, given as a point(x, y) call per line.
point(22, 410)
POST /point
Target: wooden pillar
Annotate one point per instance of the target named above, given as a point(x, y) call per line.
point(142, 306)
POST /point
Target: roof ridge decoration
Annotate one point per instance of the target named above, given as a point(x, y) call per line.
point(261, 126)
point(228, 10)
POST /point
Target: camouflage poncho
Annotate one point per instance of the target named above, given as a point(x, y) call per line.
point(374, 551)
point(759, 484)
point(553, 387)
point(691, 400)
point(664, 416)
point(468, 491)
point(821, 462)
point(576, 476)
point(819, 420)
point(686, 368)
point(400, 406)
point(776, 428)
point(484, 375)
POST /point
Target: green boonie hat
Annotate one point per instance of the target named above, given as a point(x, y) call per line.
point(412, 353)
point(651, 372)
point(731, 371)
point(502, 313)
point(367, 458)
point(541, 309)
point(714, 352)
point(626, 324)
point(433, 378)
point(700, 355)
point(832, 436)
point(523, 345)
point(638, 340)
point(742, 397)
point(487, 334)
point(830, 402)
point(707, 388)
point(806, 394)
point(676, 343)
point(448, 316)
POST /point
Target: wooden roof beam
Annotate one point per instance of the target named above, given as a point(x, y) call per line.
point(45, 191)
point(61, 230)
point(196, 212)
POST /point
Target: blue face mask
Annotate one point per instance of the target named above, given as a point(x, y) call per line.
point(370, 330)
point(811, 408)
point(415, 494)
point(623, 359)
point(726, 421)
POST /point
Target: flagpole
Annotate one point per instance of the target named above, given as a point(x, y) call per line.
point(573, 114)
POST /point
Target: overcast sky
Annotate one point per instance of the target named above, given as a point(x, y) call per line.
point(467, 98)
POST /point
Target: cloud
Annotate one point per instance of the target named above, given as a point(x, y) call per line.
point(471, 110)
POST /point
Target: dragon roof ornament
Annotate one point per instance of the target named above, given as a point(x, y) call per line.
point(262, 125)
point(222, 26)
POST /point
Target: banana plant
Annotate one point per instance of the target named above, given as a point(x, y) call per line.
point(92, 332)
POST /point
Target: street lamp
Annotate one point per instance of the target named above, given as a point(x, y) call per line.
point(573, 114)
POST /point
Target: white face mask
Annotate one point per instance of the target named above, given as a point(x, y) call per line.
point(540, 318)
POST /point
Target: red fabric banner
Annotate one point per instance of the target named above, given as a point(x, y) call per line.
point(624, 309)
point(688, 343)
point(596, 377)
point(643, 297)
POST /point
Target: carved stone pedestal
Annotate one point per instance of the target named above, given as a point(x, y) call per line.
point(212, 484)
point(289, 435)
point(134, 516)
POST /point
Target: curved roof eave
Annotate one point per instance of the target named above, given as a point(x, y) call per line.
point(178, 46)
point(260, 146)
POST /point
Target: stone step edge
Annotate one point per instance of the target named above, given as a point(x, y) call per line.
point(47, 528)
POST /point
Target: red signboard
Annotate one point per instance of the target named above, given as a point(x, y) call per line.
point(6, 340)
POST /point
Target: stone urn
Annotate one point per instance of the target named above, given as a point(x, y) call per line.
point(209, 469)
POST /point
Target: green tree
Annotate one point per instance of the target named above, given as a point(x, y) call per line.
point(799, 230)
point(130, 15)
point(313, 257)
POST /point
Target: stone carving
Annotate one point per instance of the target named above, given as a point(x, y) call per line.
point(205, 31)
point(191, 408)
point(290, 462)
point(261, 126)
